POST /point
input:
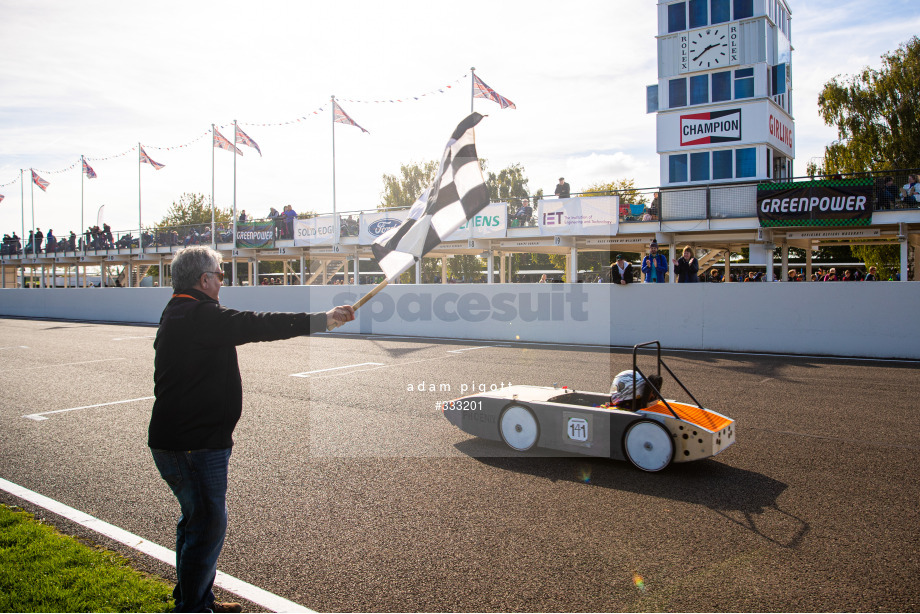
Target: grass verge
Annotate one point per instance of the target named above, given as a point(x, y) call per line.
point(45, 571)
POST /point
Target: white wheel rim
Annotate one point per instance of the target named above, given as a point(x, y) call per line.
point(519, 428)
point(649, 446)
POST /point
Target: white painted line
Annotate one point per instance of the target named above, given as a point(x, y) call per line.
point(237, 587)
point(15, 347)
point(41, 416)
point(598, 346)
point(478, 347)
point(63, 364)
point(309, 373)
point(141, 337)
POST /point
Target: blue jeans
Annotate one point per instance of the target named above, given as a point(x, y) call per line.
point(198, 478)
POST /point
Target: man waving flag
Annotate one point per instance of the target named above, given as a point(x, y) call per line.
point(457, 194)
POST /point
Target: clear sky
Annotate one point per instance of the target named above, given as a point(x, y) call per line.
point(95, 78)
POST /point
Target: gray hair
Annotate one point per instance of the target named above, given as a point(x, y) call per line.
point(190, 263)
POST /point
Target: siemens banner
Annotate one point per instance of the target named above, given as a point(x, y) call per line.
point(814, 203)
point(596, 215)
point(490, 223)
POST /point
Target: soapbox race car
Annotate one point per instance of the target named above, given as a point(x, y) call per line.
point(647, 430)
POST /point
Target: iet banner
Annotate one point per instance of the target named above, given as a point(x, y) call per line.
point(255, 234)
point(845, 203)
point(595, 215)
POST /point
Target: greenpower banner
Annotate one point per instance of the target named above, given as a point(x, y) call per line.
point(255, 234)
point(845, 202)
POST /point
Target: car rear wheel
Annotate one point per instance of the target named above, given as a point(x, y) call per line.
point(648, 445)
point(519, 428)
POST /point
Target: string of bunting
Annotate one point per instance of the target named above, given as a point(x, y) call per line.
point(121, 155)
point(9, 183)
point(440, 90)
point(63, 170)
point(284, 123)
point(194, 140)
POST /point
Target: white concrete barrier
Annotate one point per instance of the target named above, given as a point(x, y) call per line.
point(876, 320)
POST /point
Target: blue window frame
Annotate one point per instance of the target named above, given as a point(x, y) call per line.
point(651, 99)
point(721, 11)
point(746, 162)
point(722, 164)
point(744, 83)
point(677, 168)
point(677, 93)
point(721, 86)
point(744, 9)
point(677, 17)
point(699, 89)
point(699, 13)
point(699, 166)
point(778, 80)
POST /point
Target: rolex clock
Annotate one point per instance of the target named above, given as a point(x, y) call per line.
point(709, 48)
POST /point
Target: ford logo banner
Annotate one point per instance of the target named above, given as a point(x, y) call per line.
point(380, 227)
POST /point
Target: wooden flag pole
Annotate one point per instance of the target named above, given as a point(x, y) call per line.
point(370, 294)
point(361, 301)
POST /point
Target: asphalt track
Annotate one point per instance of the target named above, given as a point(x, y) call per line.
point(351, 492)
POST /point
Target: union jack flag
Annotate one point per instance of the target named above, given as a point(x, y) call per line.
point(481, 90)
point(90, 173)
point(221, 142)
point(1, 198)
point(39, 181)
point(341, 117)
point(243, 139)
point(148, 160)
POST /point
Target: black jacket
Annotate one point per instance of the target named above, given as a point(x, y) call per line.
point(197, 385)
point(614, 275)
point(687, 272)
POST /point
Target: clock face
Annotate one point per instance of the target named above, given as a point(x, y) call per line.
point(709, 48)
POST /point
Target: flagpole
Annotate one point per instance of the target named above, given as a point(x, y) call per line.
point(333, 154)
point(140, 240)
point(82, 172)
point(22, 205)
point(212, 185)
point(235, 136)
point(472, 86)
point(32, 193)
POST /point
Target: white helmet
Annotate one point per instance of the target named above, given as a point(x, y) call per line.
point(622, 387)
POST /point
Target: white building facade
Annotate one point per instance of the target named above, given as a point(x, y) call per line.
point(724, 93)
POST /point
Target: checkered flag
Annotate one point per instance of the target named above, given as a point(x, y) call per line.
point(456, 195)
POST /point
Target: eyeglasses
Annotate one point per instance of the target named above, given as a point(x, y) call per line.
point(220, 274)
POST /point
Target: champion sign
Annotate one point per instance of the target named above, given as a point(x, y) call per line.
point(714, 127)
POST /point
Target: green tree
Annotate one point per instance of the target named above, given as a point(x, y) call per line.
point(887, 258)
point(626, 188)
point(194, 209)
point(400, 191)
point(877, 115)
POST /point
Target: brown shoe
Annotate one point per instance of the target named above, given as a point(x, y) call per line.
point(226, 607)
